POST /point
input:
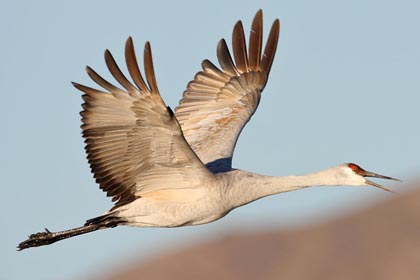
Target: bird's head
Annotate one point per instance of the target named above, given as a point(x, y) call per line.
point(357, 176)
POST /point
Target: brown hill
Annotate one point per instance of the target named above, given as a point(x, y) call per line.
point(382, 242)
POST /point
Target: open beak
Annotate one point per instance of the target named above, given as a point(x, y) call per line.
point(374, 175)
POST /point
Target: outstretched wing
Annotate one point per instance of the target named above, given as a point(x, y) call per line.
point(218, 103)
point(134, 142)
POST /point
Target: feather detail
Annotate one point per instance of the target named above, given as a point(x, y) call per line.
point(133, 140)
point(219, 102)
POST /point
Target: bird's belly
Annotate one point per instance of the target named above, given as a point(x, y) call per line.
point(168, 210)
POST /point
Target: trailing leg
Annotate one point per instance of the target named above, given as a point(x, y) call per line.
point(47, 237)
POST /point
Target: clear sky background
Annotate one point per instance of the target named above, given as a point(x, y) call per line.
point(344, 87)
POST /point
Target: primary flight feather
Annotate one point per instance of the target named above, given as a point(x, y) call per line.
point(169, 169)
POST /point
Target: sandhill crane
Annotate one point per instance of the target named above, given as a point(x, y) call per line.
point(171, 169)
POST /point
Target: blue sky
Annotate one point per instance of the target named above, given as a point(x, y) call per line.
point(344, 87)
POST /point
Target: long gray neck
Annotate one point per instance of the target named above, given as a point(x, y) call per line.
point(245, 187)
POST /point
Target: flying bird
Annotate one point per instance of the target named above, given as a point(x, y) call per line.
point(167, 168)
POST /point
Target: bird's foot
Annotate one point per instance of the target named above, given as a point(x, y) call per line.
point(36, 239)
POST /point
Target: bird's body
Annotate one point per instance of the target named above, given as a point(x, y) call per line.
point(174, 208)
point(215, 198)
point(170, 169)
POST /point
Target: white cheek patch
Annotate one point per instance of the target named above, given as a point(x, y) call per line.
point(353, 178)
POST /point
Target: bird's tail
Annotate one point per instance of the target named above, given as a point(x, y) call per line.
point(47, 237)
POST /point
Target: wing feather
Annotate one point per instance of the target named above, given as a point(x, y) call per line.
point(225, 59)
point(239, 47)
point(270, 47)
point(148, 67)
point(101, 81)
point(133, 141)
point(218, 103)
point(133, 67)
point(255, 41)
point(116, 72)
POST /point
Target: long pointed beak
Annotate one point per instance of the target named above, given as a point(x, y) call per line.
point(374, 175)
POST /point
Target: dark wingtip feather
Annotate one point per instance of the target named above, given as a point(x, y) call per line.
point(147, 45)
point(85, 89)
point(101, 81)
point(225, 59)
point(117, 73)
point(107, 53)
point(80, 86)
point(149, 69)
point(255, 41)
point(271, 46)
point(89, 70)
point(132, 65)
point(129, 43)
point(239, 47)
point(76, 85)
